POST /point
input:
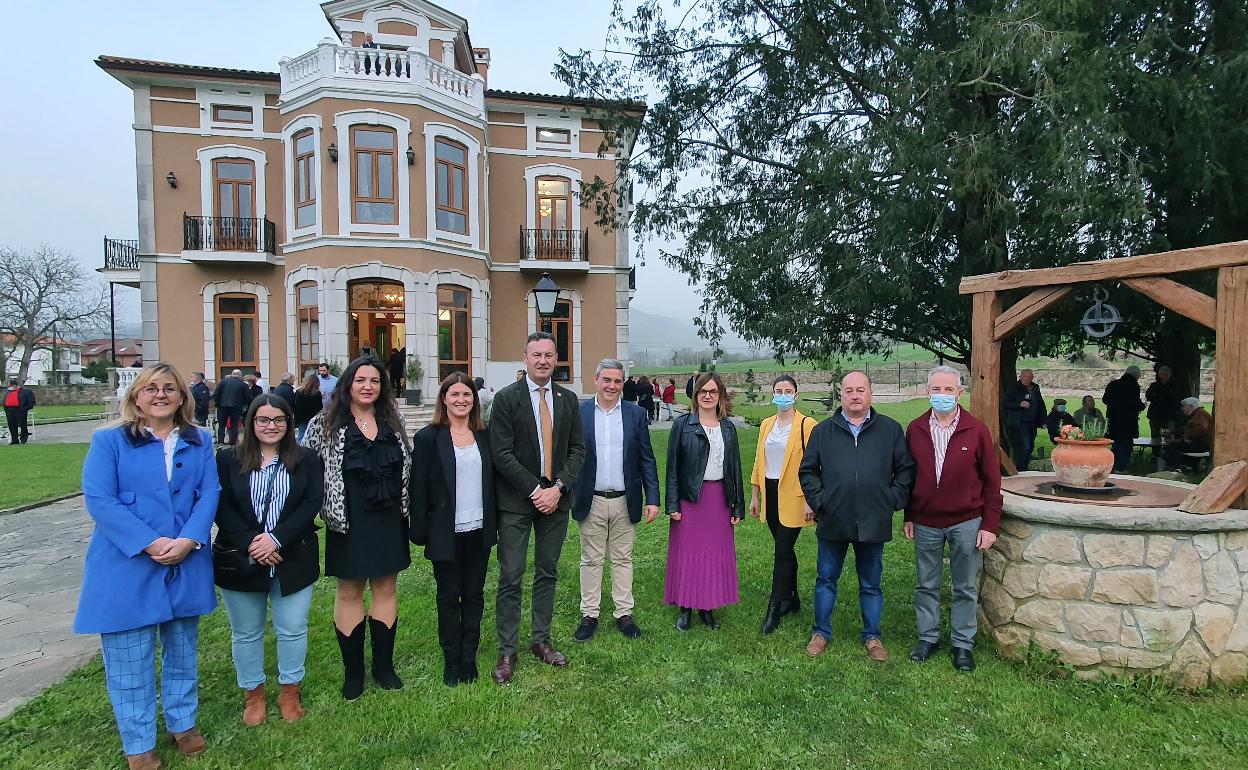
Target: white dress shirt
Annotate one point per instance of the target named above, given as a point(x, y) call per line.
point(534, 394)
point(609, 447)
point(774, 448)
point(171, 445)
point(714, 463)
point(469, 496)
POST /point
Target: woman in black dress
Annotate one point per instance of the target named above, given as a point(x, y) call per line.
point(361, 442)
point(307, 404)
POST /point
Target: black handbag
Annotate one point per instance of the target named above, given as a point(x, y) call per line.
point(231, 564)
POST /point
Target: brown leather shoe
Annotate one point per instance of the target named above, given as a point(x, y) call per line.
point(145, 761)
point(505, 669)
point(548, 655)
point(253, 706)
point(877, 651)
point(290, 702)
point(190, 742)
point(816, 645)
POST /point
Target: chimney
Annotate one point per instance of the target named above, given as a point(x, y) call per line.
point(481, 60)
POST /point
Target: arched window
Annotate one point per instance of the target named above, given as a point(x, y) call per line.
point(308, 325)
point(237, 333)
point(377, 319)
point(454, 331)
point(304, 169)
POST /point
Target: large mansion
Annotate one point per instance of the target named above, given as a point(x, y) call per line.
point(372, 193)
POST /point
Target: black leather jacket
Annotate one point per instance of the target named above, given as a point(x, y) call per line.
point(688, 450)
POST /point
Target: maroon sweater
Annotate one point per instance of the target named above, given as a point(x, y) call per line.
point(970, 481)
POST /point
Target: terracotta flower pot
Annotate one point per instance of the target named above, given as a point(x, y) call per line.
point(1083, 463)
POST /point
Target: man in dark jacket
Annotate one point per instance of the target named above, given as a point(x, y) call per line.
point(286, 388)
point(231, 399)
point(202, 395)
point(630, 389)
point(1025, 413)
point(1057, 418)
point(855, 473)
point(1122, 413)
point(1163, 399)
point(689, 388)
point(18, 401)
point(956, 501)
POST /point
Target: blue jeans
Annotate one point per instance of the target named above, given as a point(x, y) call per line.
point(247, 611)
point(130, 675)
point(869, 561)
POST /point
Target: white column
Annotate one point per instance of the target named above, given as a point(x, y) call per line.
point(448, 53)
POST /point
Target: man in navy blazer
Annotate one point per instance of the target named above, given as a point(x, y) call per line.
point(607, 501)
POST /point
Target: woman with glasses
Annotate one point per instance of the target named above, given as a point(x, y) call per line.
point(150, 485)
point(776, 494)
point(266, 551)
point(361, 443)
point(705, 501)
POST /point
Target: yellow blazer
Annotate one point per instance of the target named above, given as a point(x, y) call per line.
point(789, 494)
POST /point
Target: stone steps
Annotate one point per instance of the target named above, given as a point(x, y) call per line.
point(415, 417)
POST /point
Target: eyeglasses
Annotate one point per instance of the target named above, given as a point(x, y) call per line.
point(156, 390)
point(709, 392)
point(264, 422)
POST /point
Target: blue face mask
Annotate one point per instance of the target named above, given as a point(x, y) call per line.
point(783, 402)
point(943, 402)
point(1061, 407)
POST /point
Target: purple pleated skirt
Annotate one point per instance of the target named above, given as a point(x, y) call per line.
point(702, 554)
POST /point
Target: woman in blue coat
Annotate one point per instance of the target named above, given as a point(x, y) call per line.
point(150, 484)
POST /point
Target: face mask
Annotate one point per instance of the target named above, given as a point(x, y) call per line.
point(1061, 408)
point(783, 402)
point(943, 402)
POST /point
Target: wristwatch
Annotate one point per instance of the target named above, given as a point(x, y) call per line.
point(559, 485)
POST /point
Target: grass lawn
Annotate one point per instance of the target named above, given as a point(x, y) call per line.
point(34, 472)
point(726, 699)
point(61, 411)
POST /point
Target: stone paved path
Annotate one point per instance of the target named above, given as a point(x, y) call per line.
point(41, 553)
point(78, 432)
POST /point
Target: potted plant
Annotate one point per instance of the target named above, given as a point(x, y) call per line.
point(413, 376)
point(1082, 456)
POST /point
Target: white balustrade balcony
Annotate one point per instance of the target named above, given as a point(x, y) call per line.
point(333, 66)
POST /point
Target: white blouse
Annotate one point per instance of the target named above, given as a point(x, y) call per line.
point(714, 463)
point(469, 496)
point(774, 448)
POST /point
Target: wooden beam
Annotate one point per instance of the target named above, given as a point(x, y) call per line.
point(1007, 463)
point(1219, 490)
point(1183, 300)
point(1230, 423)
point(1163, 263)
point(986, 362)
point(1027, 309)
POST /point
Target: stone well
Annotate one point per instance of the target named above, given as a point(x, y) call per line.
point(1121, 590)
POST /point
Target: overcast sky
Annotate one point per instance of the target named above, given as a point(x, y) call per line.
point(68, 169)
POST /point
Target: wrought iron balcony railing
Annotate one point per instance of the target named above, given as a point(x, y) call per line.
point(121, 254)
point(228, 234)
point(566, 245)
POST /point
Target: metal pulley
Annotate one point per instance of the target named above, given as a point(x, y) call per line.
point(1100, 319)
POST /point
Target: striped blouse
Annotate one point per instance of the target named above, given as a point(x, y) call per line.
point(259, 484)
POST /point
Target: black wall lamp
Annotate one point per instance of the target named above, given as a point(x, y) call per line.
point(172, 180)
point(333, 153)
point(411, 157)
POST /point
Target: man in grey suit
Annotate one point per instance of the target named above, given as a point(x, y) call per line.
point(538, 447)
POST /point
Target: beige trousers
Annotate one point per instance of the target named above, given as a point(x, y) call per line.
point(607, 532)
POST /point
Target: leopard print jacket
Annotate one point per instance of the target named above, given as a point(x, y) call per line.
point(334, 510)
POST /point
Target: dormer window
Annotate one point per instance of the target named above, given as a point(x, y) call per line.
point(231, 113)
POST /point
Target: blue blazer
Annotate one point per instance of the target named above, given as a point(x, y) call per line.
point(640, 468)
point(132, 504)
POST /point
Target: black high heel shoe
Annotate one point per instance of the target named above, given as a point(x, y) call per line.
point(683, 619)
point(708, 618)
point(771, 621)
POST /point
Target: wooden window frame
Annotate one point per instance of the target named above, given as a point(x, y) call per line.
point(216, 186)
point(309, 314)
point(537, 200)
point(303, 163)
point(551, 326)
point(216, 114)
point(244, 364)
point(373, 154)
point(466, 360)
point(450, 166)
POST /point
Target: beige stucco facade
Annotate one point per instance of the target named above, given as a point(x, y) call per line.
point(369, 196)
